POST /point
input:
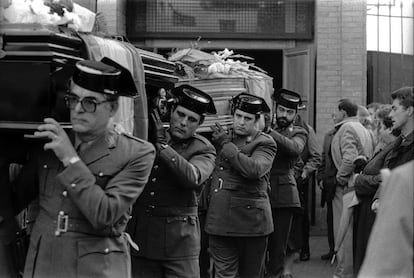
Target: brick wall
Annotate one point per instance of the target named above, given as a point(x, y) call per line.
point(340, 38)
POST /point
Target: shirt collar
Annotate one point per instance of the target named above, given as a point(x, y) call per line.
point(349, 119)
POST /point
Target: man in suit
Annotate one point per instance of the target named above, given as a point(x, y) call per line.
point(86, 181)
point(164, 220)
point(284, 195)
point(239, 217)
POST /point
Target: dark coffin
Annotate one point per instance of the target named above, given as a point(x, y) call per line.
point(35, 66)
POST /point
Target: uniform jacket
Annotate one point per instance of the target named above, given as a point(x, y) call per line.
point(290, 144)
point(327, 170)
point(351, 139)
point(164, 221)
point(238, 201)
point(96, 195)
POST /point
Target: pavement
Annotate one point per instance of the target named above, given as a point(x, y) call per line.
point(315, 267)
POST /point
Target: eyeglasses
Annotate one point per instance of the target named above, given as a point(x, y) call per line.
point(88, 103)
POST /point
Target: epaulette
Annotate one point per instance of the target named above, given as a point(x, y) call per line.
point(202, 139)
point(133, 137)
point(266, 135)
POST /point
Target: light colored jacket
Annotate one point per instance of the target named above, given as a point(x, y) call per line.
point(390, 247)
point(352, 139)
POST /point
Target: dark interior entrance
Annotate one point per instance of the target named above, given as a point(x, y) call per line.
point(269, 60)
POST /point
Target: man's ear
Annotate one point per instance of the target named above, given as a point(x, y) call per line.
point(410, 110)
point(114, 107)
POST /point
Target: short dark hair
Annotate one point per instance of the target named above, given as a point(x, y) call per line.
point(405, 95)
point(348, 106)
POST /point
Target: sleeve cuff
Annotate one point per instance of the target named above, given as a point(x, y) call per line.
point(75, 174)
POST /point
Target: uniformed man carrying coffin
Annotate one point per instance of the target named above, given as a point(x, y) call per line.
point(165, 224)
point(284, 196)
point(239, 217)
point(85, 196)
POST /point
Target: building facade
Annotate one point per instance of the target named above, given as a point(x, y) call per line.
point(316, 47)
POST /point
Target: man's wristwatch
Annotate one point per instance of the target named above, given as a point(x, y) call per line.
point(69, 161)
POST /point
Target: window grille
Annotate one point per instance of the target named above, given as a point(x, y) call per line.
point(255, 19)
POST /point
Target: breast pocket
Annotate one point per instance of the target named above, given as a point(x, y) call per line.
point(182, 236)
point(102, 257)
point(247, 216)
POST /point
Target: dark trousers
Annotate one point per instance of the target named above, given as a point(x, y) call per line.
point(204, 259)
point(329, 222)
point(145, 268)
point(241, 257)
point(278, 240)
point(304, 199)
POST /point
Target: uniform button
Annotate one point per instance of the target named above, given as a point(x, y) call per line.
point(215, 190)
point(106, 250)
point(45, 166)
point(73, 185)
point(185, 219)
point(61, 212)
point(248, 207)
point(152, 193)
point(173, 159)
point(154, 179)
point(65, 193)
point(100, 174)
point(155, 167)
point(57, 233)
point(221, 168)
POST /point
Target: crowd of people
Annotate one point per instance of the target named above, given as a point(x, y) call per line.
point(364, 141)
point(106, 204)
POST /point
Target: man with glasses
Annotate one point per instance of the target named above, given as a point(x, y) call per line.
point(86, 180)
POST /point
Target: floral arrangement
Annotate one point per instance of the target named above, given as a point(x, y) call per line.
point(48, 12)
point(194, 63)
